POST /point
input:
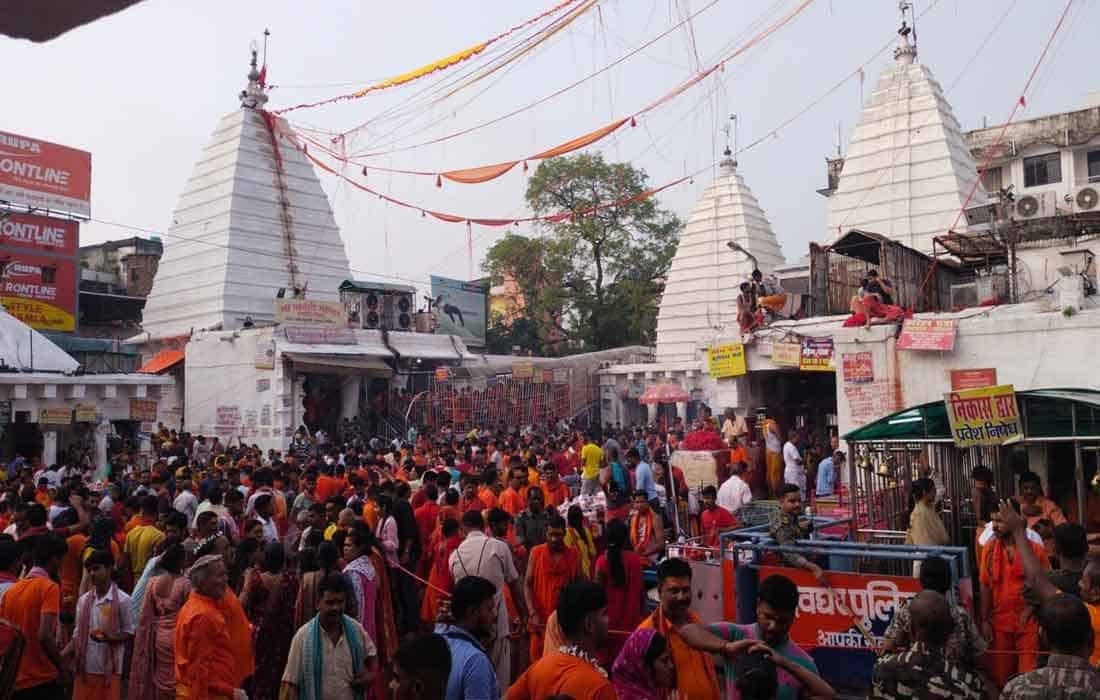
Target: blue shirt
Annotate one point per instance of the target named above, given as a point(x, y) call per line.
point(826, 476)
point(643, 479)
point(472, 674)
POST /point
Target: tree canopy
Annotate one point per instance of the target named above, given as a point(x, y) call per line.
point(593, 279)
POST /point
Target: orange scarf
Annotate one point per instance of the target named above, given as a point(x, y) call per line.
point(641, 531)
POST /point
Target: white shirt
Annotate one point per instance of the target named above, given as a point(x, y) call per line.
point(96, 660)
point(791, 457)
point(734, 493)
point(271, 533)
point(186, 503)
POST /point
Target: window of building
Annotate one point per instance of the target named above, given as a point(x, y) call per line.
point(992, 179)
point(1092, 161)
point(1042, 170)
point(49, 275)
point(134, 276)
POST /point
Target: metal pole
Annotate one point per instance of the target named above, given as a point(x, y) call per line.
point(1079, 473)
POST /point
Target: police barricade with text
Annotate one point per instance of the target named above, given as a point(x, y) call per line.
point(840, 625)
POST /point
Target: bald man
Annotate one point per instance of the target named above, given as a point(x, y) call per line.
point(924, 670)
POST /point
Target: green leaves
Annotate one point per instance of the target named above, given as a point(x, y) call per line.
point(593, 279)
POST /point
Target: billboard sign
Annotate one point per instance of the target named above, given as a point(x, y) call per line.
point(57, 236)
point(39, 290)
point(461, 308)
point(43, 174)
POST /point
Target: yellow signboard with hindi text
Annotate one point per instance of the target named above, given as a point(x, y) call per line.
point(726, 360)
point(985, 416)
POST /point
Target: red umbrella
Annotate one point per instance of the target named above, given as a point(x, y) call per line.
point(664, 393)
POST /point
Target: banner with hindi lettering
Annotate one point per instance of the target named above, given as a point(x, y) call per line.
point(985, 416)
point(852, 614)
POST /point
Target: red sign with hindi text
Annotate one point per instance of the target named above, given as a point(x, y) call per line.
point(858, 367)
point(928, 334)
point(973, 378)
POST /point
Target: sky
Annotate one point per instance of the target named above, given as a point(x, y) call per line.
point(143, 90)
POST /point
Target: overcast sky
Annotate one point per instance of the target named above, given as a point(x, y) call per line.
point(144, 89)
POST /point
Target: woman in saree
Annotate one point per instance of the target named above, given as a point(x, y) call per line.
point(153, 665)
point(268, 599)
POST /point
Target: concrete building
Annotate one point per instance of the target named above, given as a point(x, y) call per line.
point(47, 407)
point(908, 171)
point(251, 220)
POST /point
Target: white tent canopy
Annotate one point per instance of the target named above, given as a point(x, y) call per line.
point(25, 349)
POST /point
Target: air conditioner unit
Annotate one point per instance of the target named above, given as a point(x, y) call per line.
point(1086, 199)
point(980, 214)
point(1036, 206)
point(964, 296)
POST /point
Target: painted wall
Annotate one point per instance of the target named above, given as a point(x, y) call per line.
point(228, 396)
point(1029, 350)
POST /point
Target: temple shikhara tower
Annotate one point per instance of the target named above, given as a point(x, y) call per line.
point(251, 220)
point(701, 292)
point(908, 171)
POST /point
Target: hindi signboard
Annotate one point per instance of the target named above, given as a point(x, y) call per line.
point(265, 350)
point(523, 370)
point(786, 354)
point(816, 355)
point(309, 311)
point(859, 367)
point(56, 416)
point(852, 613)
point(45, 175)
point(84, 413)
point(985, 416)
point(143, 411)
point(319, 335)
point(727, 360)
point(461, 308)
point(973, 378)
point(928, 334)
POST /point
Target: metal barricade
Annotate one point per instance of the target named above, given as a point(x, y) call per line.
point(840, 625)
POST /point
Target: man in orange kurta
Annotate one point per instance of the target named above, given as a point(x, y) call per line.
point(213, 640)
point(550, 568)
point(1034, 505)
point(511, 499)
point(1006, 617)
point(695, 675)
point(553, 488)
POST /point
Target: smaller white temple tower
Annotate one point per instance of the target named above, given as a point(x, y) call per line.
point(908, 170)
point(701, 292)
point(252, 219)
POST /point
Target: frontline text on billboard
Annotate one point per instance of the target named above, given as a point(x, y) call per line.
point(460, 307)
point(43, 174)
point(57, 236)
point(39, 290)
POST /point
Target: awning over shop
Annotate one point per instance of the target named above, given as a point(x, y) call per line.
point(162, 362)
point(426, 346)
point(338, 364)
point(1047, 414)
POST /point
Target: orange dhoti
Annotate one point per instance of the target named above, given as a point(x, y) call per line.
point(774, 464)
point(1014, 650)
